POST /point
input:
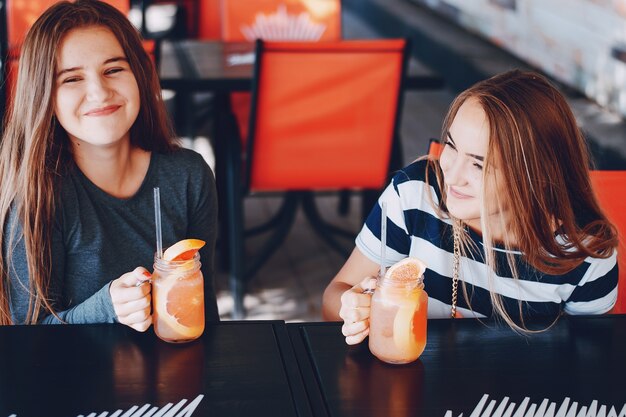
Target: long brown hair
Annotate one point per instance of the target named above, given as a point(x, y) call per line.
point(35, 150)
point(545, 164)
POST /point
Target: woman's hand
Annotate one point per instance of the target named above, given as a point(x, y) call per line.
point(355, 311)
point(131, 297)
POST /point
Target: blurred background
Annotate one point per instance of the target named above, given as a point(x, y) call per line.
point(579, 44)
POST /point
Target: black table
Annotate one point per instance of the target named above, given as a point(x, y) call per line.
point(267, 368)
point(217, 66)
point(241, 368)
point(581, 358)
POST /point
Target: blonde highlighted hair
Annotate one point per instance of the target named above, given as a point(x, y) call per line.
point(544, 163)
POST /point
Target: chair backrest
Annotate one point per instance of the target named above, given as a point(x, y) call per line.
point(324, 114)
point(435, 148)
point(609, 189)
point(209, 19)
point(281, 20)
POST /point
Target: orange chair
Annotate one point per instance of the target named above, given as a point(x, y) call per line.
point(609, 189)
point(324, 117)
point(209, 19)
point(435, 148)
point(280, 20)
point(276, 20)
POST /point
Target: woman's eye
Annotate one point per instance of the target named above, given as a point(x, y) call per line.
point(477, 165)
point(114, 70)
point(71, 80)
point(450, 144)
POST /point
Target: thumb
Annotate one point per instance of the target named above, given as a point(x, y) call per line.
point(367, 285)
point(136, 277)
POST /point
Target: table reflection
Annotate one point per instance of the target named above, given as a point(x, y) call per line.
point(392, 394)
point(146, 372)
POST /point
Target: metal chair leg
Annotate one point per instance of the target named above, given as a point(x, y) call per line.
point(324, 229)
point(344, 202)
point(286, 216)
point(234, 205)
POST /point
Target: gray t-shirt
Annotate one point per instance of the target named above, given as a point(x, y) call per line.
point(97, 237)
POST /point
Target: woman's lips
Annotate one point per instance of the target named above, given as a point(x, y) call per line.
point(457, 194)
point(103, 111)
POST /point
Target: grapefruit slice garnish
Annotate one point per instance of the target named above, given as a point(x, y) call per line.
point(177, 306)
point(183, 250)
point(407, 270)
point(185, 304)
point(403, 326)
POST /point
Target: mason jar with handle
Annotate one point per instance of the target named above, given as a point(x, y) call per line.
point(398, 316)
point(178, 299)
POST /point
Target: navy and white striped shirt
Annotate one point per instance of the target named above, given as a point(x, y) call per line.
point(414, 229)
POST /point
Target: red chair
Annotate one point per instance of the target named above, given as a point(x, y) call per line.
point(609, 189)
point(209, 19)
point(324, 117)
point(276, 20)
point(435, 148)
point(311, 20)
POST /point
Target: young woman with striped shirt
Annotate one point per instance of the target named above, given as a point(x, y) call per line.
point(508, 206)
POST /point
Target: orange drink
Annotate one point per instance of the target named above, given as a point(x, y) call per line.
point(178, 295)
point(398, 314)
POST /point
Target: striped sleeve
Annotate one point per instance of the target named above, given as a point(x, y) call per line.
point(596, 293)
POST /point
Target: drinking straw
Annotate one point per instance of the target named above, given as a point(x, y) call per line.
point(157, 221)
point(383, 237)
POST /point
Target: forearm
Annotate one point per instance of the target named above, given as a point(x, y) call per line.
point(96, 309)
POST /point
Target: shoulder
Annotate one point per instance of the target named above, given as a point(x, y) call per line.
point(182, 165)
point(594, 286)
point(417, 178)
point(596, 268)
point(415, 171)
point(182, 158)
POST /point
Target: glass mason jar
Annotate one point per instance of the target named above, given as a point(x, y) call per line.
point(178, 299)
point(398, 320)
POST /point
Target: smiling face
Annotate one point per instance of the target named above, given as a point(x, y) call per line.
point(96, 96)
point(462, 162)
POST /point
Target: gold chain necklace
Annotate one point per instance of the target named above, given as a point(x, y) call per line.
point(456, 232)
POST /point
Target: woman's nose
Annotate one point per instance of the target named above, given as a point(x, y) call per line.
point(98, 90)
point(455, 172)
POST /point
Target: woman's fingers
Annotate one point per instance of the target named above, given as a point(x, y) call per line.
point(131, 298)
point(135, 317)
point(125, 309)
point(357, 338)
point(355, 311)
point(142, 326)
point(368, 285)
point(350, 329)
point(125, 288)
point(354, 314)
